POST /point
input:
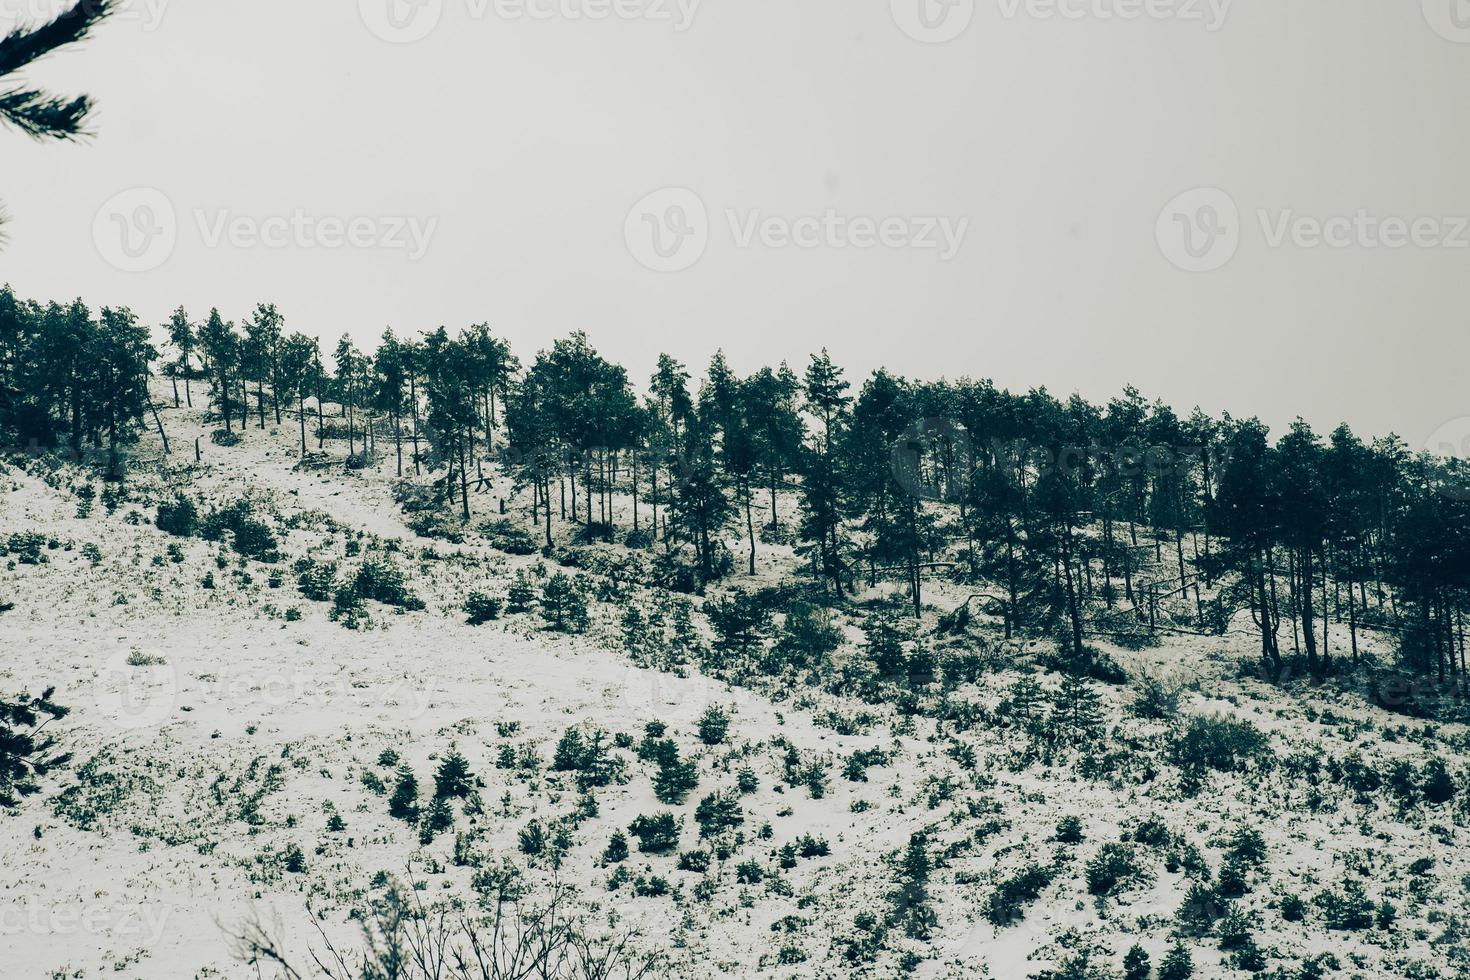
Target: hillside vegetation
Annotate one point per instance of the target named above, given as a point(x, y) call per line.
point(497, 670)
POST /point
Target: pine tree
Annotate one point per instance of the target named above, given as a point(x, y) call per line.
point(26, 751)
point(181, 336)
point(404, 803)
point(36, 113)
point(453, 777)
point(1076, 708)
point(563, 605)
point(1136, 964)
point(1177, 964)
point(821, 524)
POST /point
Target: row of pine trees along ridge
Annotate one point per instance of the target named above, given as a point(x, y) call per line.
point(1070, 519)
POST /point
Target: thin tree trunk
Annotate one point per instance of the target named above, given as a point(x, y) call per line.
point(749, 525)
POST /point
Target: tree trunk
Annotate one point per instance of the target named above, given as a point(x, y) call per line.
point(749, 525)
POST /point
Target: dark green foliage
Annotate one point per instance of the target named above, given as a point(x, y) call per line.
point(532, 838)
point(1248, 846)
point(617, 849)
point(657, 834)
point(1112, 869)
point(27, 546)
point(749, 873)
point(438, 816)
point(521, 595)
point(587, 755)
point(1216, 742)
point(26, 751)
point(316, 580)
point(404, 804)
point(480, 608)
point(1200, 909)
point(717, 813)
point(1177, 964)
point(453, 779)
point(714, 725)
point(1136, 964)
point(696, 861)
point(178, 517)
point(292, 860)
point(1437, 785)
point(379, 579)
point(746, 781)
point(563, 604)
point(1233, 881)
point(1345, 908)
point(249, 535)
point(813, 847)
point(909, 901)
point(739, 623)
point(675, 778)
point(807, 636)
point(855, 769)
point(886, 636)
point(1076, 708)
point(1069, 830)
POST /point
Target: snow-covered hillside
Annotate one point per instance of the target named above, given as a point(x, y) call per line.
point(239, 747)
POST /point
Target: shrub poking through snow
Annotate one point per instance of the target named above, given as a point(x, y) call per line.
point(404, 804)
point(657, 834)
point(1112, 869)
point(714, 725)
point(563, 604)
point(480, 608)
point(1216, 742)
point(178, 517)
point(379, 579)
point(453, 778)
point(717, 813)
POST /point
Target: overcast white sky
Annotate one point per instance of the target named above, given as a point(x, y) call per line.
point(520, 147)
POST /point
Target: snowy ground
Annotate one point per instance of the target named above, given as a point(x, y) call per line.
point(212, 732)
